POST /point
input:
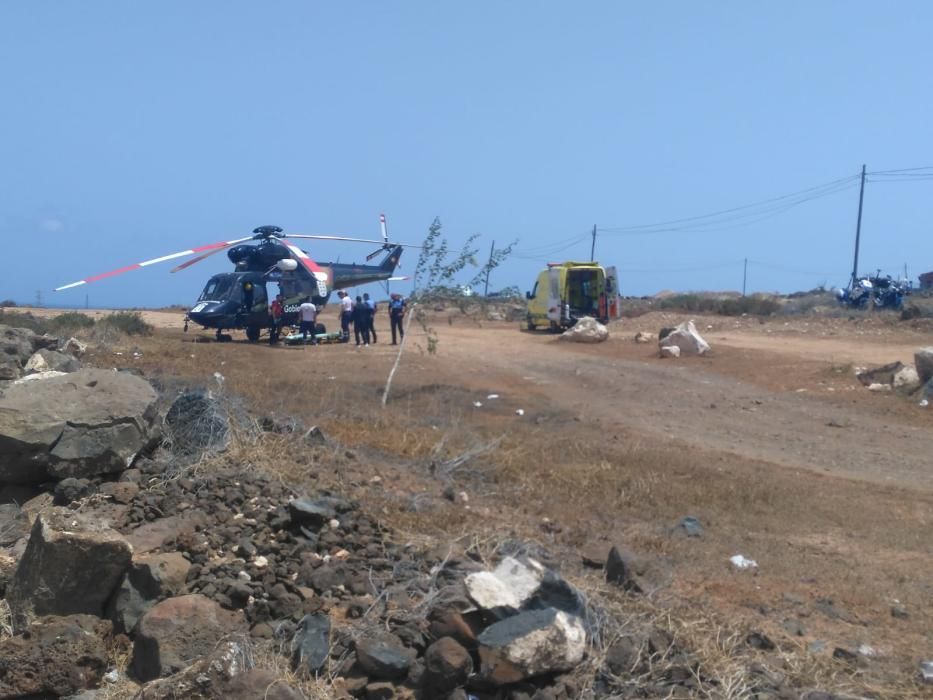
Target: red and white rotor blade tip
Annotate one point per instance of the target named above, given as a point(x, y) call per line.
point(147, 263)
point(384, 228)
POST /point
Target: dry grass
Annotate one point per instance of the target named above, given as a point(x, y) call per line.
point(591, 489)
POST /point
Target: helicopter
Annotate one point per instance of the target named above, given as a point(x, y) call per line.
point(239, 300)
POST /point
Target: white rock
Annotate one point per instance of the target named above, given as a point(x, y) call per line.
point(39, 376)
point(36, 363)
point(670, 351)
point(523, 579)
point(907, 379)
point(490, 592)
point(879, 387)
point(529, 644)
point(685, 337)
point(260, 562)
point(643, 337)
point(586, 330)
point(75, 347)
point(740, 562)
point(519, 411)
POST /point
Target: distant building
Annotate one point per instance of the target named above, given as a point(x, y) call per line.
point(926, 280)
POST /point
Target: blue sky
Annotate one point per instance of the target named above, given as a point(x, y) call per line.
point(131, 130)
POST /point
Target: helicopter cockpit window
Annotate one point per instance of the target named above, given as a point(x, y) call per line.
point(217, 288)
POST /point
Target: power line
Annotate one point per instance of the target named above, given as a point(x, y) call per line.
point(765, 205)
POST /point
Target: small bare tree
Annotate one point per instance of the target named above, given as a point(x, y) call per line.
point(436, 271)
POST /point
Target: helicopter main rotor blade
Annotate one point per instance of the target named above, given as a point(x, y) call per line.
point(352, 240)
point(147, 263)
point(189, 263)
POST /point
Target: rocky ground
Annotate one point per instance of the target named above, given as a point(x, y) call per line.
point(166, 533)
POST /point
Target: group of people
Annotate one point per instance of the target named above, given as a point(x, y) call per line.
point(360, 313)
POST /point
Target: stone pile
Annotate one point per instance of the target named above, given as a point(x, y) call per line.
point(586, 330)
point(681, 340)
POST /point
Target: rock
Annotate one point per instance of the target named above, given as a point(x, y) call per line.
point(880, 375)
point(316, 512)
point(384, 657)
point(379, 691)
point(670, 351)
point(14, 524)
point(82, 424)
point(16, 347)
point(877, 387)
point(508, 587)
point(39, 377)
point(622, 656)
point(620, 570)
point(529, 644)
point(907, 379)
point(72, 564)
point(51, 360)
point(315, 436)
point(178, 630)
point(644, 337)
point(923, 361)
point(59, 656)
point(196, 423)
point(150, 578)
point(686, 338)
point(926, 671)
point(899, 611)
point(120, 491)
point(70, 490)
point(586, 330)
point(75, 347)
point(690, 526)
point(311, 643)
point(447, 666)
point(225, 674)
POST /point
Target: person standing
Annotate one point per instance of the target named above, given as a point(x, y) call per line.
point(276, 310)
point(396, 314)
point(361, 318)
point(346, 314)
point(373, 308)
point(307, 320)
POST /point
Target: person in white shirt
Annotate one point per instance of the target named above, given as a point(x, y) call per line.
point(307, 320)
point(346, 314)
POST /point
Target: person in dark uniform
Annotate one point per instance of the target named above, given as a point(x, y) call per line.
point(396, 314)
point(361, 318)
point(372, 316)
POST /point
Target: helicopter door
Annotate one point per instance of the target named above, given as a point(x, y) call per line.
point(613, 293)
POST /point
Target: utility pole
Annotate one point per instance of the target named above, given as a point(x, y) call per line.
point(858, 230)
point(492, 249)
point(744, 276)
point(593, 246)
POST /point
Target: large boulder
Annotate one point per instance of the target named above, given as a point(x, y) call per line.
point(72, 564)
point(530, 644)
point(60, 656)
point(686, 338)
point(586, 330)
point(177, 631)
point(82, 424)
point(923, 361)
point(43, 360)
